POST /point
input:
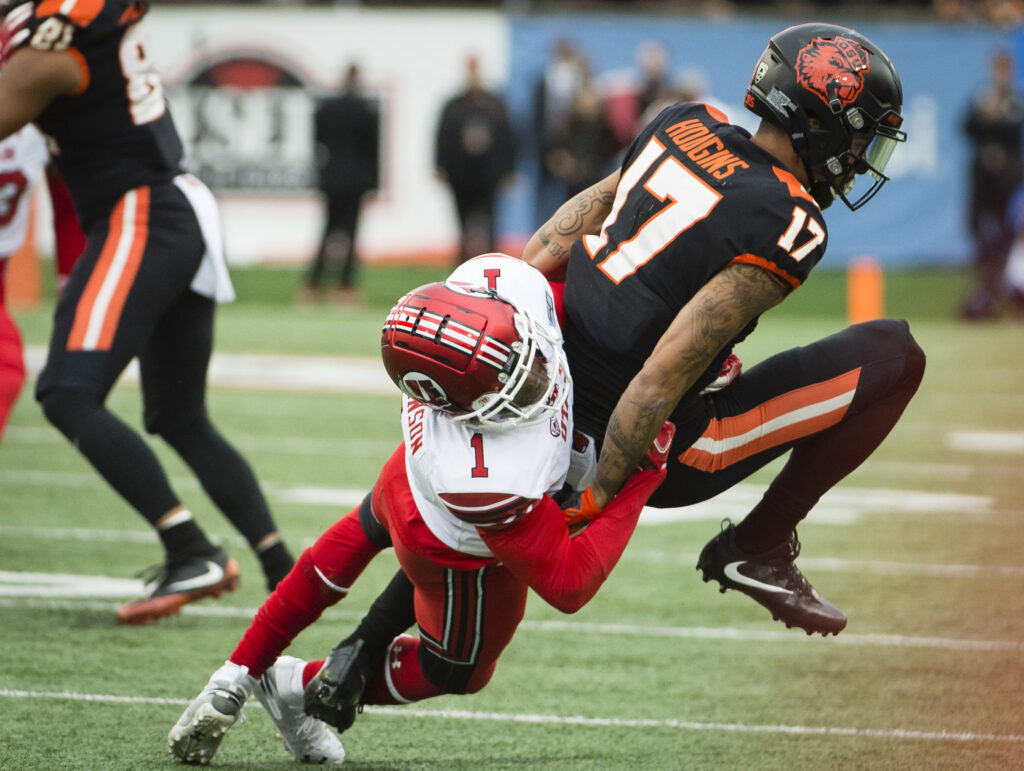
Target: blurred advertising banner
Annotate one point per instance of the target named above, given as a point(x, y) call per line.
point(243, 83)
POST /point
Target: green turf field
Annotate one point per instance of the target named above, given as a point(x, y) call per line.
point(922, 547)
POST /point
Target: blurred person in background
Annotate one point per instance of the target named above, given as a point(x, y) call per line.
point(553, 96)
point(993, 126)
point(347, 152)
point(580, 153)
point(669, 263)
point(146, 285)
point(474, 157)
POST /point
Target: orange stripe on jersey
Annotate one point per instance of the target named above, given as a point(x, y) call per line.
point(81, 12)
point(792, 415)
point(99, 309)
point(795, 188)
point(771, 267)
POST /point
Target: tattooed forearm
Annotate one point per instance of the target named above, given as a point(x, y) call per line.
point(726, 304)
point(583, 212)
point(722, 308)
point(581, 215)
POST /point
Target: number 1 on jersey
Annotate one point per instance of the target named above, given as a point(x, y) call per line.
point(477, 443)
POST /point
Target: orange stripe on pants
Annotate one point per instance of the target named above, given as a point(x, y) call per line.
point(789, 416)
point(99, 309)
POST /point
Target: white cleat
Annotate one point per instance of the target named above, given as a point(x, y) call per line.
point(201, 727)
point(281, 693)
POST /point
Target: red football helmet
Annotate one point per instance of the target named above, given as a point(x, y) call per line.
point(473, 354)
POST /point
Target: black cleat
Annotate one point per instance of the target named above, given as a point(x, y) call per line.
point(771, 579)
point(334, 695)
point(181, 581)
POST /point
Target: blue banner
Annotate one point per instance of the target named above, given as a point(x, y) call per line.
point(919, 218)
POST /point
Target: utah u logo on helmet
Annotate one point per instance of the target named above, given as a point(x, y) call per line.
point(833, 69)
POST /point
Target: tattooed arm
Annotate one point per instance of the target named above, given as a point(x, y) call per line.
point(715, 315)
point(548, 248)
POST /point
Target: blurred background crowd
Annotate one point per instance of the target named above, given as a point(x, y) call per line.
point(337, 133)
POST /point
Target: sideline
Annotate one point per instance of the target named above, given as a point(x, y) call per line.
point(579, 720)
point(577, 628)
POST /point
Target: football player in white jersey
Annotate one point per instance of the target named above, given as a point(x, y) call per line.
point(466, 503)
point(23, 160)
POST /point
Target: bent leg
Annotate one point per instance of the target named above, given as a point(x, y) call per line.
point(173, 368)
point(323, 575)
point(831, 402)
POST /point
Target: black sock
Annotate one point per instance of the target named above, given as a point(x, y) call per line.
point(277, 561)
point(390, 615)
point(184, 540)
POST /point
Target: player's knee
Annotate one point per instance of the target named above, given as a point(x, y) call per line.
point(176, 427)
point(451, 677)
point(913, 370)
point(66, 409)
point(898, 334)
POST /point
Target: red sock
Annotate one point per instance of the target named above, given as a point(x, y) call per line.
point(297, 602)
point(310, 670)
point(400, 679)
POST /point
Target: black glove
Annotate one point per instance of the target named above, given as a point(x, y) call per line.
point(334, 694)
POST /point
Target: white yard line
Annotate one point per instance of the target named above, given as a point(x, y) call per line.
point(1000, 442)
point(723, 634)
point(580, 720)
point(840, 506)
point(322, 374)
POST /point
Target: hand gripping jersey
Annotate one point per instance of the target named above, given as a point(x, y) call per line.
point(23, 160)
point(116, 133)
point(695, 195)
point(463, 479)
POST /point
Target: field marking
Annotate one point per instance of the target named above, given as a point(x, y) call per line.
point(1002, 442)
point(839, 506)
point(276, 372)
point(577, 720)
point(730, 634)
point(683, 559)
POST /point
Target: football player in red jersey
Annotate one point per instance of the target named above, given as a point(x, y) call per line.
point(466, 503)
point(146, 284)
point(669, 262)
point(24, 160)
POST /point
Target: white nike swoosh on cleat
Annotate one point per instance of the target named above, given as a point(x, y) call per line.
point(732, 571)
point(213, 574)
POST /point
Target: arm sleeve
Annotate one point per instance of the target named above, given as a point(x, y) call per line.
point(566, 572)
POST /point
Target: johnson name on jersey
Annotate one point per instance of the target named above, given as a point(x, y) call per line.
point(695, 195)
point(463, 479)
point(115, 133)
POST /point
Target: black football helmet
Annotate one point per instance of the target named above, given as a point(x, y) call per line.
point(825, 86)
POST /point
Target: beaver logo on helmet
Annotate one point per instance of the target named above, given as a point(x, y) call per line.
point(832, 69)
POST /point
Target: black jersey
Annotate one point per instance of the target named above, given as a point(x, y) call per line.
point(115, 133)
point(695, 194)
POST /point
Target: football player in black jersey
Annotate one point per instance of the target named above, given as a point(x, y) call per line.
point(669, 262)
point(146, 285)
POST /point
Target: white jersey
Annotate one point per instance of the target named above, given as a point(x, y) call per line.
point(462, 479)
point(23, 159)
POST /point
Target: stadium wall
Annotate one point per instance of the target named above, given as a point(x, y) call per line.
point(242, 82)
